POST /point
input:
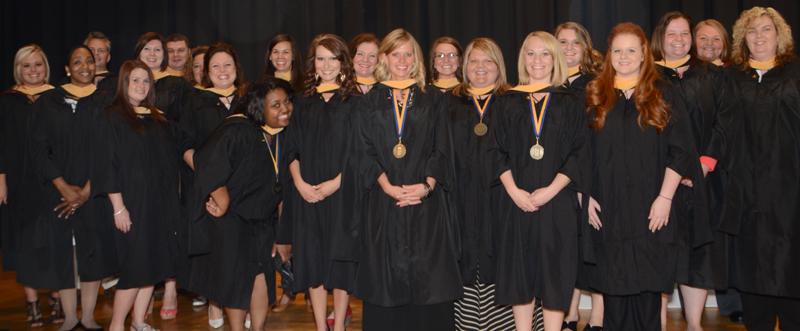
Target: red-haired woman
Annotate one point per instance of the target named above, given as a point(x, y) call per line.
point(642, 147)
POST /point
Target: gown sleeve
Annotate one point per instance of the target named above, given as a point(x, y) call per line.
point(45, 167)
point(726, 121)
point(576, 164)
point(105, 170)
point(438, 164)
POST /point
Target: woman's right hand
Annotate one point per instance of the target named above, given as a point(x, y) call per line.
point(122, 220)
point(3, 190)
point(309, 193)
point(594, 218)
point(522, 199)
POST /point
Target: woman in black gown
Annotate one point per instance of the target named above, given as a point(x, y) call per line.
point(284, 61)
point(61, 157)
point(473, 108)
point(583, 64)
point(239, 173)
point(31, 74)
point(445, 64)
point(408, 272)
point(136, 166)
point(642, 147)
point(364, 49)
point(540, 156)
point(221, 91)
point(765, 70)
point(317, 149)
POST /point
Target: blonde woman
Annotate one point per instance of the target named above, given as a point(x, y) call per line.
point(407, 267)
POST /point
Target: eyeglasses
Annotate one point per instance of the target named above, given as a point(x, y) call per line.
point(445, 55)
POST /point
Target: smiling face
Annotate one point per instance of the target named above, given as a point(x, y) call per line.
point(326, 65)
point(445, 60)
point(571, 46)
point(677, 39)
point(197, 67)
point(178, 54)
point(482, 71)
point(33, 70)
point(101, 52)
point(762, 39)
point(277, 108)
point(538, 60)
point(366, 59)
point(81, 67)
point(627, 55)
point(138, 86)
point(709, 43)
point(281, 56)
point(400, 60)
point(222, 70)
point(152, 55)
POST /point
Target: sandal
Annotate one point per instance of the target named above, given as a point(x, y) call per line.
point(168, 314)
point(592, 328)
point(35, 318)
point(573, 325)
point(56, 312)
point(143, 327)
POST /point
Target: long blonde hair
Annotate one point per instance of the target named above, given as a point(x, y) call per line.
point(392, 41)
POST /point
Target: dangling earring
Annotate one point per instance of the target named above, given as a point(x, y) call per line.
point(316, 76)
point(342, 76)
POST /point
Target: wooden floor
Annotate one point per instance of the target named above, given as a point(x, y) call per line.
point(296, 317)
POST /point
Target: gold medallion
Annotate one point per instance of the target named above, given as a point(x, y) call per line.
point(537, 152)
point(480, 129)
point(399, 151)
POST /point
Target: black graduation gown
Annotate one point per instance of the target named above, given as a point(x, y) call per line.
point(236, 156)
point(407, 255)
point(202, 113)
point(60, 147)
point(766, 215)
point(533, 247)
point(320, 138)
point(707, 95)
point(578, 87)
point(142, 166)
point(628, 164)
point(473, 179)
point(170, 93)
point(16, 111)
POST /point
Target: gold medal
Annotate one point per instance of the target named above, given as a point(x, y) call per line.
point(537, 152)
point(399, 151)
point(480, 129)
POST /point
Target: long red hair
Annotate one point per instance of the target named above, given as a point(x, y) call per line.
point(601, 95)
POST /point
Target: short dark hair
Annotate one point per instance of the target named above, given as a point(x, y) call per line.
point(254, 99)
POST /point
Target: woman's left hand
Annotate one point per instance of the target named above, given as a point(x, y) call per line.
point(213, 208)
point(542, 196)
point(659, 213)
point(412, 195)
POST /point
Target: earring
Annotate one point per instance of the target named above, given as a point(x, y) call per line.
point(342, 76)
point(316, 76)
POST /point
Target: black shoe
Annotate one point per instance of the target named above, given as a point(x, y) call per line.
point(573, 325)
point(592, 328)
point(83, 327)
point(736, 317)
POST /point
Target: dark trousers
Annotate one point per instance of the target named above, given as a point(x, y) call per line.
point(761, 311)
point(729, 301)
point(435, 317)
point(638, 312)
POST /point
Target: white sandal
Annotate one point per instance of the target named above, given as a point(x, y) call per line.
point(143, 327)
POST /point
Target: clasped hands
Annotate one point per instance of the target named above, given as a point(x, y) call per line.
point(72, 198)
point(531, 201)
point(316, 193)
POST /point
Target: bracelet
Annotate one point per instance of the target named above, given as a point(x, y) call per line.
point(663, 196)
point(119, 211)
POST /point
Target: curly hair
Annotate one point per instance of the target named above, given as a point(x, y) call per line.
point(601, 95)
point(338, 47)
point(740, 54)
point(591, 59)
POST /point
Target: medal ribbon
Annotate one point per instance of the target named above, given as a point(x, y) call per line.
point(400, 115)
point(537, 120)
point(481, 110)
point(274, 157)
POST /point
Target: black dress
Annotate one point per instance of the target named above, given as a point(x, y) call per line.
point(408, 256)
point(320, 138)
point(60, 147)
point(16, 110)
point(767, 185)
point(709, 99)
point(141, 164)
point(628, 163)
point(477, 310)
point(532, 247)
point(236, 156)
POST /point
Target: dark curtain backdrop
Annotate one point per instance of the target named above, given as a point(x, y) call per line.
point(249, 24)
